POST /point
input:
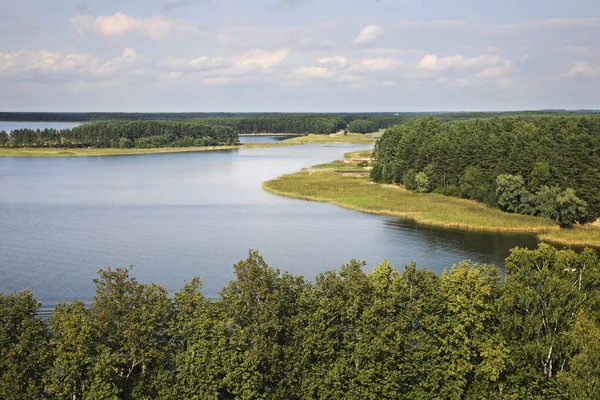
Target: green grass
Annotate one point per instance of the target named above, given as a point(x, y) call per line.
point(430, 209)
point(361, 154)
point(350, 138)
point(574, 237)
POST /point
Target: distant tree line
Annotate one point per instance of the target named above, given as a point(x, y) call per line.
point(545, 166)
point(470, 333)
point(319, 124)
point(124, 134)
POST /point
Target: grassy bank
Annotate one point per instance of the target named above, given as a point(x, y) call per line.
point(62, 152)
point(331, 183)
point(357, 193)
point(580, 237)
point(349, 138)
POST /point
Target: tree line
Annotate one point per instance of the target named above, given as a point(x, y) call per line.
point(471, 333)
point(124, 134)
point(544, 166)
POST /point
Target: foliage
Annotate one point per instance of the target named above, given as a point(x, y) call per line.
point(510, 189)
point(362, 126)
point(126, 134)
point(550, 150)
point(470, 333)
point(422, 184)
point(23, 347)
point(270, 335)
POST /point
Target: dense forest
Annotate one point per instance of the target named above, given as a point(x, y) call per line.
point(124, 134)
point(280, 122)
point(471, 333)
point(544, 166)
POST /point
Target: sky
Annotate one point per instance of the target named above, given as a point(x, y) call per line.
point(299, 55)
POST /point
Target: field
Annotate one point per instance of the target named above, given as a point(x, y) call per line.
point(350, 138)
point(358, 193)
point(579, 236)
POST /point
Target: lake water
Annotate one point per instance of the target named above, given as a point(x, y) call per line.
point(11, 126)
point(176, 216)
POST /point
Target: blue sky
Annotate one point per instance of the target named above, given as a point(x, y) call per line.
point(299, 55)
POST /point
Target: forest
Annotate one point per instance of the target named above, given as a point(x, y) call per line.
point(531, 331)
point(545, 166)
point(124, 134)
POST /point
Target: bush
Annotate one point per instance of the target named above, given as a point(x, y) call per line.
point(409, 179)
point(422, 183)
point(510, 189)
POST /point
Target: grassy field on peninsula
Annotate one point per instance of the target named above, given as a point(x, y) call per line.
point(336, 182)
point(358, 193)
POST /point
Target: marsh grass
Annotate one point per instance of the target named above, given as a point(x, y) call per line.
point(579, 237)
point(361, 154)
point(429, 209)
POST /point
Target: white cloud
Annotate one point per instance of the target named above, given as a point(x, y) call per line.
point(493, 72)
point(490, 65)
point(263, 58)
point(312, 72)
point(120, 23)
point(43, 61)
point(334, 62)
point(369, 34)
point(54, 66)
point(583, 69)
point(376, 64)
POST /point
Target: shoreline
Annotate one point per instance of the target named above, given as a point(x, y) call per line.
point(95, 152)
point(412, 216)
point(360, 194)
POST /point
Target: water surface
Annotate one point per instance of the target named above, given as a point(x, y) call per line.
point(176, 216)
point(8, 126)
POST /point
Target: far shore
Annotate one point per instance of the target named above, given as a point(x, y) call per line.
point(336, 138)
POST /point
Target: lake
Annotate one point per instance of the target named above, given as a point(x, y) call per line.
point(176, 216)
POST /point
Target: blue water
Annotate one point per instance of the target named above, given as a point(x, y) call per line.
point(176, 216)
point(11, 126)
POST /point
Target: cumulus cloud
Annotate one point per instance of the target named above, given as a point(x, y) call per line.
point(334, 62)
point(43, 61)
point(489, 65)
point(263, 58)
point(54, 66)
point(120, 23)
point(312, 72)
point(376, 64)
point(583, 68)
point(369, 34)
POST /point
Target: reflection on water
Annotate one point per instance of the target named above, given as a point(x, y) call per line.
point(483, 247)
point(176, 216)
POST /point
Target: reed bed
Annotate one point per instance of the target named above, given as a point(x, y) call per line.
point(429, 209)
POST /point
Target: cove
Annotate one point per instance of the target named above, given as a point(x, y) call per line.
point(176, 216)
